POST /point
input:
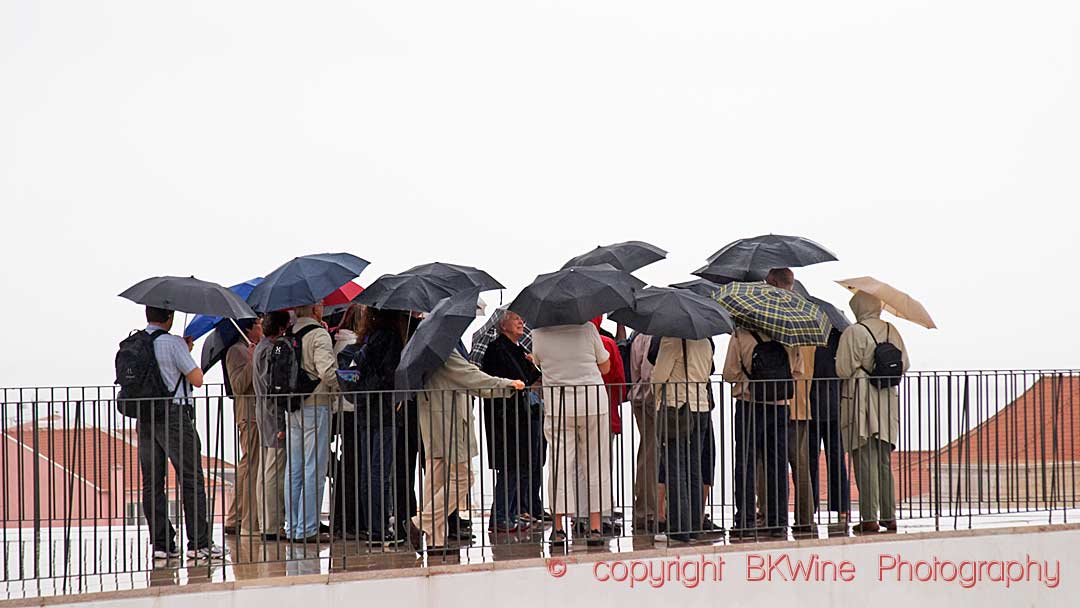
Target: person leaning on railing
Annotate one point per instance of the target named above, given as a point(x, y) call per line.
point(870, 416)
point(447, 426)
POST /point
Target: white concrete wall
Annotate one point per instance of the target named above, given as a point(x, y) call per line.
point(507, 587)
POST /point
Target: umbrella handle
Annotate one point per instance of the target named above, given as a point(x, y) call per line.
point(240, 331)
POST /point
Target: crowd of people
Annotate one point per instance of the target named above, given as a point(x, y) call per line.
point(400, 463)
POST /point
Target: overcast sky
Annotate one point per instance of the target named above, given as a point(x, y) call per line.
point(931, 144)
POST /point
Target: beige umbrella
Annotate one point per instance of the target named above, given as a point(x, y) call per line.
point(896, 302)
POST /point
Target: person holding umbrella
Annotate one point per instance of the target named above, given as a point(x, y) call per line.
point(683, 323)
point(156, 374)
point(762, 362)
point(572, 359)
point(432, 366)
point(242, 517)
point(870, 407)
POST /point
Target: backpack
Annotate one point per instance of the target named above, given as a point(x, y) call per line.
point(770, 369)
point(888, 362)
point(286, 377)
point(138, 375)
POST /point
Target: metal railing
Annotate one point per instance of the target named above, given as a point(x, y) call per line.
point(88, 491)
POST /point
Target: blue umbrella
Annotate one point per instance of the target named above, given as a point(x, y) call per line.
point(305, 280)
point(201, 324)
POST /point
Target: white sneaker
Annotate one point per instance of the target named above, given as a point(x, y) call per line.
point(208, 553)
point(159, 554)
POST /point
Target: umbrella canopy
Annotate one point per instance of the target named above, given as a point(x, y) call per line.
point(896, 302)
point(575, 295)
point(216, 344)
point(456, 277)
point(836, 316)
point(701, 287)
point(201, 324)
point(406, 292)
point(784, 315)
point(435, 338)
point(343, 295)
point(674, 313)
point(748, 259)
point(305, 280)
point(188, 294)
point(628, 256)
point(489, 331)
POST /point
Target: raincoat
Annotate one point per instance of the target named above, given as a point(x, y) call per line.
point(866, 411)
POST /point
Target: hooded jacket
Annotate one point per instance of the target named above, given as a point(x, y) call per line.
point(866, 411)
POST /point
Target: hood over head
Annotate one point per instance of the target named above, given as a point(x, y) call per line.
point(866, 306)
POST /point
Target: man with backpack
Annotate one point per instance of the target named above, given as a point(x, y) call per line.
point(872, 359)
point(156, 373)
point(762, 374)
point(308, 422)
point(270, 486)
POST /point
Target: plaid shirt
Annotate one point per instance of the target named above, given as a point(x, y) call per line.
point(487, 334)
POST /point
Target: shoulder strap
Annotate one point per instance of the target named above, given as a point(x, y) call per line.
point(756, 336)
point(157, 334)
point(872, 337)
point(304, 331)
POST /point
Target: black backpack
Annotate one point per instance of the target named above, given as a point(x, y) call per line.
point(286, 375)
point(888, 362)
point(139, 376)
point(770, 371)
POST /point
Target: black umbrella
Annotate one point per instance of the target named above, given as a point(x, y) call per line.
point(434, 339)
point(674, 313)
point(456, 277)
point(836, 316)
point(305, 280)
point(699, 286)
point(746, 259)
point(406, 292)
point(628, 256)
point(575, 295)
point(188, 294)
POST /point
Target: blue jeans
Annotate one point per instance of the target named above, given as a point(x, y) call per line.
point(506, 507)
point(308, 444)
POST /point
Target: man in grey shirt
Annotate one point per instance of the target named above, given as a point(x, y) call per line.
point(168, 435)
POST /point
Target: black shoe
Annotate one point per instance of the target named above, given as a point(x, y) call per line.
point(324, 529)
point(688, 539)
point(778, 533)
point(273, 538)
point(595, 538)
point(311, 540)
point(558, 537)
point(801, 532)
point(738, 533)
point(230, 530)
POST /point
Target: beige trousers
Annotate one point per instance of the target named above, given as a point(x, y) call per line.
point(445, 488)
point(247, 488)
point(580, 464)
point(645, 467)
point(270, 490)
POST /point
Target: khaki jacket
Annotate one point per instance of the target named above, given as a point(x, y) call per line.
point(737, 362)
point(686, 378)
point(445, 408)
point(804, 379)
point(317, 350)
point(866, 411)
point(240, 369)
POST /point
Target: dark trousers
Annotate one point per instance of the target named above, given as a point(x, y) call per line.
point(827, 431)
point(683, 463)
point(407, 450)
point(346, 505)
point(517, 484)
point(761, 429)
point(169, 436)
point(376, 501)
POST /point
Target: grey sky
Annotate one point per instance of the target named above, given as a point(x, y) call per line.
point(930, 144)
